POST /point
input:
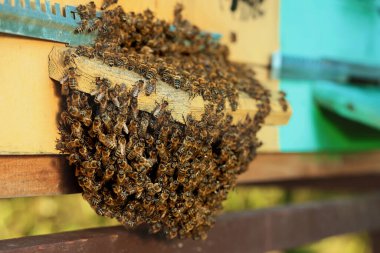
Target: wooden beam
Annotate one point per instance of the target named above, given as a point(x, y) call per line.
point(50, 175)
point(290, 166)
point(180, 102)
point(348, 183)
point(251, 231)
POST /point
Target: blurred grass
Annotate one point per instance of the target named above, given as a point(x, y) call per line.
point(43, 215)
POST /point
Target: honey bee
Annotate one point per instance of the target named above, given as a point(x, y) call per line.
point(155, 228)
point(133, 175)
point(123, 165)
point(144, 125)
point(65, 85)
point(110, 170)
point(159, 108)
point(93, 200)
point(82, 11)
point(85, 117)
point(85, 51)
point(131, 64)
point(76, 129)
point(131, 142)
point(177, 81)
point(101, 93)
point(162, 168)
point(181, 175)
point(120, 125)
point(167, 76)
point(136, 151)
point(189, 226)
point(150, 87)
point(137, 87)
point(173, 197)
point(72, 82)
point(82, 27)
point(73, 144)
point(142, 69)
point(94, 26)
point(151, 73)
point(188, 204)
point(134, 108)
point(68, 58)
point(84, 182)
point(88, 172)
point(96, 127)
point(73, 158)
point(139, 192)
point(120, 151)
point(105, 156)
point(173, 186)
point(75, 99)
point(120, 176)
point(149, 140)
point(84, 152)
point(108, 140)
point(118, 190)
point(98, 151)
point(140, 167)
point(66, 119)
point(107, 3)
point(114, 98)
point(91, 8)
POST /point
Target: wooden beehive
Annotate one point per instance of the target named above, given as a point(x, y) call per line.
point(30, 101)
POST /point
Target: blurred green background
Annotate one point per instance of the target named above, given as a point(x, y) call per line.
point(43, 215)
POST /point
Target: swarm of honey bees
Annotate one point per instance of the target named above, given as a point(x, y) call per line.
point(144, 167)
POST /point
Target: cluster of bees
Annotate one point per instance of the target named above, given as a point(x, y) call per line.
point(144, 167)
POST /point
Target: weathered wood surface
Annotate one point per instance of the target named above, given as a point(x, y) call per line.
point(51, 175)
point(250, 231)
point(180, 102)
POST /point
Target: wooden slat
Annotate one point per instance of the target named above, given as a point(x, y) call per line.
point(181, 103)
point(353, 183)
point(50, 175)
point(35, 176)
point(290, 166)
point(254, 232)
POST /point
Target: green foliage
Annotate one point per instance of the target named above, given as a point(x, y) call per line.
point(44, 215)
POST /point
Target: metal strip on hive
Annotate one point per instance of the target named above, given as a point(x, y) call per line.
point(44, 21)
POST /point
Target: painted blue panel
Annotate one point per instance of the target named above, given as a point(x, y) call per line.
point(337, 29)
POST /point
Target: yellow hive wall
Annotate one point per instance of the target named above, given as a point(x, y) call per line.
point(29, 100)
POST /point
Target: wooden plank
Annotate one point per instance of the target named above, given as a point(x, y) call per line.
point(347, 183)
point(290, 166)
point(181, 103)
point(36, 175)
point(251, 231)
point(50, 175)
point(30, 126)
